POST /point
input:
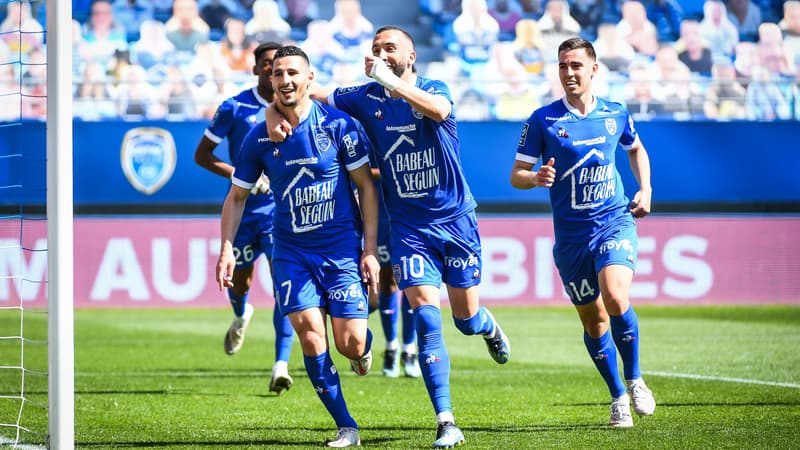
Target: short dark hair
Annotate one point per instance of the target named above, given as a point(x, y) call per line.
point(265, 47)
point(396, 28)
point(291, 50)
point(576, 43)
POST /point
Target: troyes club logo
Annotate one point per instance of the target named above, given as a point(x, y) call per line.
point(148, 158)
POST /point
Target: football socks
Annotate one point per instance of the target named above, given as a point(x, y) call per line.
point(433, 358)
point(325, 379)
point(625, 329)
point(604, 355)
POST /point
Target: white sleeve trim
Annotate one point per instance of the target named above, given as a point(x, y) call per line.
point(212, 137)
point(527, 158)
point(241, 184)
point(628, 148)
point(355, 165)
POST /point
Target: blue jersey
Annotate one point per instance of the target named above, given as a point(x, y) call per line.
point(315, 207)
point(588, 192)
point(233, 120)
point(421, 174)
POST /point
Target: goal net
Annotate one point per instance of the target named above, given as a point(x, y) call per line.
point(36, 342)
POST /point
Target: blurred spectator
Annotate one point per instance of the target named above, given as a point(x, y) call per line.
point(532, 9)
point(103, 35)
point(764, 98)
point(136, 99)
point(773, 54)
point(236, 49)
point(642, 96)
point(175, 97)
point(130, 14)
point(493, 75)
point(637, 30)
point(153, 47)
point(215, 13)
point(529, 46)
point(441, 14)
point(746, 17)
point(323, 51)
point(20, 31)
point(78, 50)
point(612, 50)
point(666, 15)
point(790, 25)
point(552, 90)
point(162, 9)
point(506, 82)
point(10, 93)
point(771, 10)
point(475, 32)
point(746, 58)
point(692, 51)
point(34, 85)
point(506, 13)
point(682, 96)
point(81, 10)
point(185, 29)
point(352, 30)
point(267, 24)
point(588, 14)
point(93, 99)
point(298, 13)
point(719, 33)
point(209, 80)
point(557, 24)
point(119, 62)
point(724, 98)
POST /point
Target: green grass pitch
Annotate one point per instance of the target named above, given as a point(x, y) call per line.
point(724, 377)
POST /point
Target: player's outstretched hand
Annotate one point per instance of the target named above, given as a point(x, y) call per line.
point(640, 205)
point(370, 270)
point(225, 265)
point(261, 186)
point(546, 175)
point(278, 128)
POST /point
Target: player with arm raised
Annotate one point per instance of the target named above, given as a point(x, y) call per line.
point(233, 120)
point(320, 263)
point(434, 231)
point(595, 249)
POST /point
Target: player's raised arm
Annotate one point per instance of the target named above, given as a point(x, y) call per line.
point(392, 65)
point(434, 106)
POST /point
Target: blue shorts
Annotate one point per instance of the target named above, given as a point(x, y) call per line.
point(427, 256)
point(331, 280)
point(579, 263)
point(252, 239)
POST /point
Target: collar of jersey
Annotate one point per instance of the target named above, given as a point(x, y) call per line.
point(573, 110)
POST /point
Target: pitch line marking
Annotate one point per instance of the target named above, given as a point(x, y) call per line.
point(728, 379)
point(6, 441)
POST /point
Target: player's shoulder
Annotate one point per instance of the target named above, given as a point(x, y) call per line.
point(551, 112)
point(606, 105)
point(356, 90)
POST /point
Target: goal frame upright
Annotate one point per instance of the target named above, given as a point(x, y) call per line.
point(60, 282)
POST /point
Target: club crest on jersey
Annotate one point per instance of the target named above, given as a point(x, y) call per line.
point(322, 140)
point(611, 126)
point(148, 158)
point(417, 114)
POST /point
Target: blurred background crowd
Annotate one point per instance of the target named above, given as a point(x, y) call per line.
point(177, 60)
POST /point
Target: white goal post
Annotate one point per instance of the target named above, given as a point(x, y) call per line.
point(60, 332)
